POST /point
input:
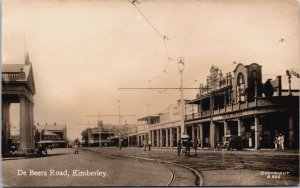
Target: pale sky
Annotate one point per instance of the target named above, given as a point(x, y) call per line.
point(82, 51)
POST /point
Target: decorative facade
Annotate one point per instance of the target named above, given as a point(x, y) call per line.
point(244, 106)
point(18, 87)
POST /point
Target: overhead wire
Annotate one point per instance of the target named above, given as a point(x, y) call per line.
point(163, 37)
point(269, 48)
point(255, 55)
point(232, 26)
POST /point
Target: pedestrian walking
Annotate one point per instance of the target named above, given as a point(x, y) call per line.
point(188, 148)
point(144, 144)
point(281, 141)
point(276, 142)
point(195, 146)
point(179, 146)
point(149, 144)
point(120, 143)
point(76, 148)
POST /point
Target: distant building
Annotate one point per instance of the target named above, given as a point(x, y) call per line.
point(51, 134)
point(162, 130)
point(104, 134)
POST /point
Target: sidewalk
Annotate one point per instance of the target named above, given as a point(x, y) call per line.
point(228, 168)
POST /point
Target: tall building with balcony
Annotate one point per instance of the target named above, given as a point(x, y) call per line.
point(241, 104)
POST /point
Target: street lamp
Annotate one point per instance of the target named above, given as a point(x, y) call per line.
point(99, 130)
point(180, 65)
point(119, 106)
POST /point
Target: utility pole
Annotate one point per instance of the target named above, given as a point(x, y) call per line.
point(99, 126)
point(180, 65)
point(119, 111)
point(148, 122)
point(88, 131)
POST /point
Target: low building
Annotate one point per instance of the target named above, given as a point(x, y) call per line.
point(163, 130)
point(54, 135)
point(143, 132)
point(104, 135)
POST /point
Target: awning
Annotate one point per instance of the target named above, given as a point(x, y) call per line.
point(48, 133)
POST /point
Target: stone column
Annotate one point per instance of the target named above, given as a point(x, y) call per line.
point(5, 126)
point(217, 133)
point(152, 138)
point(23, 126)
point(128, 141)
point(161, 138)
point(212, 134)
point(31, 124)
point(197, 132)
point(291, 131)
point(225, 128)
point(167, 137)
point(201, 135)
point(178, 134)
point(171, 137)
point(157, 138)
point(129, 145)
point(240, 128)
point(193, 133)
point(257, 133)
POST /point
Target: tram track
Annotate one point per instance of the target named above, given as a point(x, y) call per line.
point(180, 175)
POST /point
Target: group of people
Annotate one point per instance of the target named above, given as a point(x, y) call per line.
point(279, 141)
point(187, 143)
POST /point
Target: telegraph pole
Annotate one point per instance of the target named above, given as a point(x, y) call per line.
point(180, 65)
point(119, 132)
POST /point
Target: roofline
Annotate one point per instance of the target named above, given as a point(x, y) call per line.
point(246, 65)
point(145, 118)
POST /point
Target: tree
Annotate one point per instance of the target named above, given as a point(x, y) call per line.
point(77, 141)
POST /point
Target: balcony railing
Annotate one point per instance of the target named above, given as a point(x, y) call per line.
point(226, 81)
point(10, 76)
point(238, 106)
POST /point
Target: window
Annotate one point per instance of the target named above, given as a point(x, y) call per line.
point(240, 87)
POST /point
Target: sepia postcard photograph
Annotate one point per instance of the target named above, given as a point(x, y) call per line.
point(154, 93)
